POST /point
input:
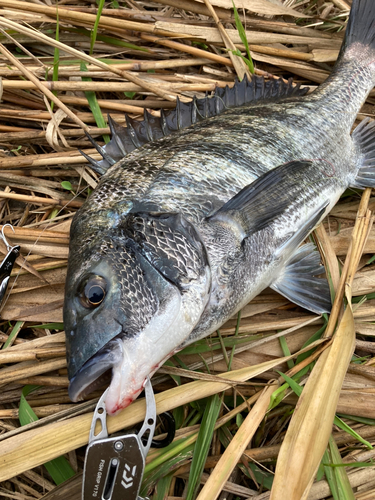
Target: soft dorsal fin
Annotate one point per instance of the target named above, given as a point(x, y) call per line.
point(126, 139)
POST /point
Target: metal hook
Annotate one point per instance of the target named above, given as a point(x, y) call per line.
point(7, 264)
point(9, 247)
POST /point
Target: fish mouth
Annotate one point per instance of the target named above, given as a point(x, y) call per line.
point(96, 373)
point(111, 367)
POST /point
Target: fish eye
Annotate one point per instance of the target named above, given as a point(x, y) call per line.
point(93, 292)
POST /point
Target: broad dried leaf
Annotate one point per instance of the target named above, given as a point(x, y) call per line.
point(301, 452)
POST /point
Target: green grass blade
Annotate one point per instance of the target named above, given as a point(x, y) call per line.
point(177, 447)
point(107, 39)
point(13, 334)
point(337, 420)
point(203, 444)
point(362, 420)
point(120, 43)
point(59, 468)
point(163, 487)
point(277, 396)
point(292, 384)
point(352, 464)
point(157, 475)
point(317, 335)
point(94, 32)
point(50, 326)
point(242, 33)
point(286, 351)
point(263, 478)
point(341, 489)
point(176, 378)
point(178, 415)
point(208, 345)
point(94, 106)
point(343, 426)
point(328, 471)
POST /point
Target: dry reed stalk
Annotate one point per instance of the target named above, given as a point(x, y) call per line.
point(126, 108)
point(41, 201)
point(82, 17)
point(291, 54)
point(40, 86)
point(40, 411)
point(26, 369)
point(135, 66)
point(111, 86)
point(329, 256)
point(238, 64)
point(188, 49)
point(37, 234)
point(321, 490)
point(45, 381)
point(197, 8)
point(17, 356)
point(49, 159)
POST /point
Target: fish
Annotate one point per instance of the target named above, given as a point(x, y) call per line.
point(201, 209)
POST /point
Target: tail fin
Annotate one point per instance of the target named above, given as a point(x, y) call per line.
point(361, 25)
point(353, 76)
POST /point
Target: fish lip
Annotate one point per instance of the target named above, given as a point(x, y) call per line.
point(91, 375)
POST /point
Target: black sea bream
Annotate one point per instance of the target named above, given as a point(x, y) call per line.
point(177, 237)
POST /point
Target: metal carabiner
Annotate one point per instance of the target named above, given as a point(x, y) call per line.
point(114, 466)
point(7, 265)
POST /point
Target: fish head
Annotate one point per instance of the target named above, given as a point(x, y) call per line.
point(133, 294)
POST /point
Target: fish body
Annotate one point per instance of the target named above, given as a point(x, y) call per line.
point(184, 231)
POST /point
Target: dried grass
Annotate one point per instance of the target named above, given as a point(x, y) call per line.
point(158, 51)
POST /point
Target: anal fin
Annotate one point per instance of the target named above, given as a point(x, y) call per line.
point(299, 283)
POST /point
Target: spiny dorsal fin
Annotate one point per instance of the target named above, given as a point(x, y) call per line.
point(137, 133)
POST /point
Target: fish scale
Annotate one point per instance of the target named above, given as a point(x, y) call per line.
point(235, 183)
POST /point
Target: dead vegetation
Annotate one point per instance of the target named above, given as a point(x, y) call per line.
point(62, 70)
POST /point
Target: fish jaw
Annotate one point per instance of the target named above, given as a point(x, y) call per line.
point(129, 374)
point(140, 356)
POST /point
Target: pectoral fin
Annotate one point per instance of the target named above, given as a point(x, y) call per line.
point(299, 236)
point(299, 284)
point(259, 203)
